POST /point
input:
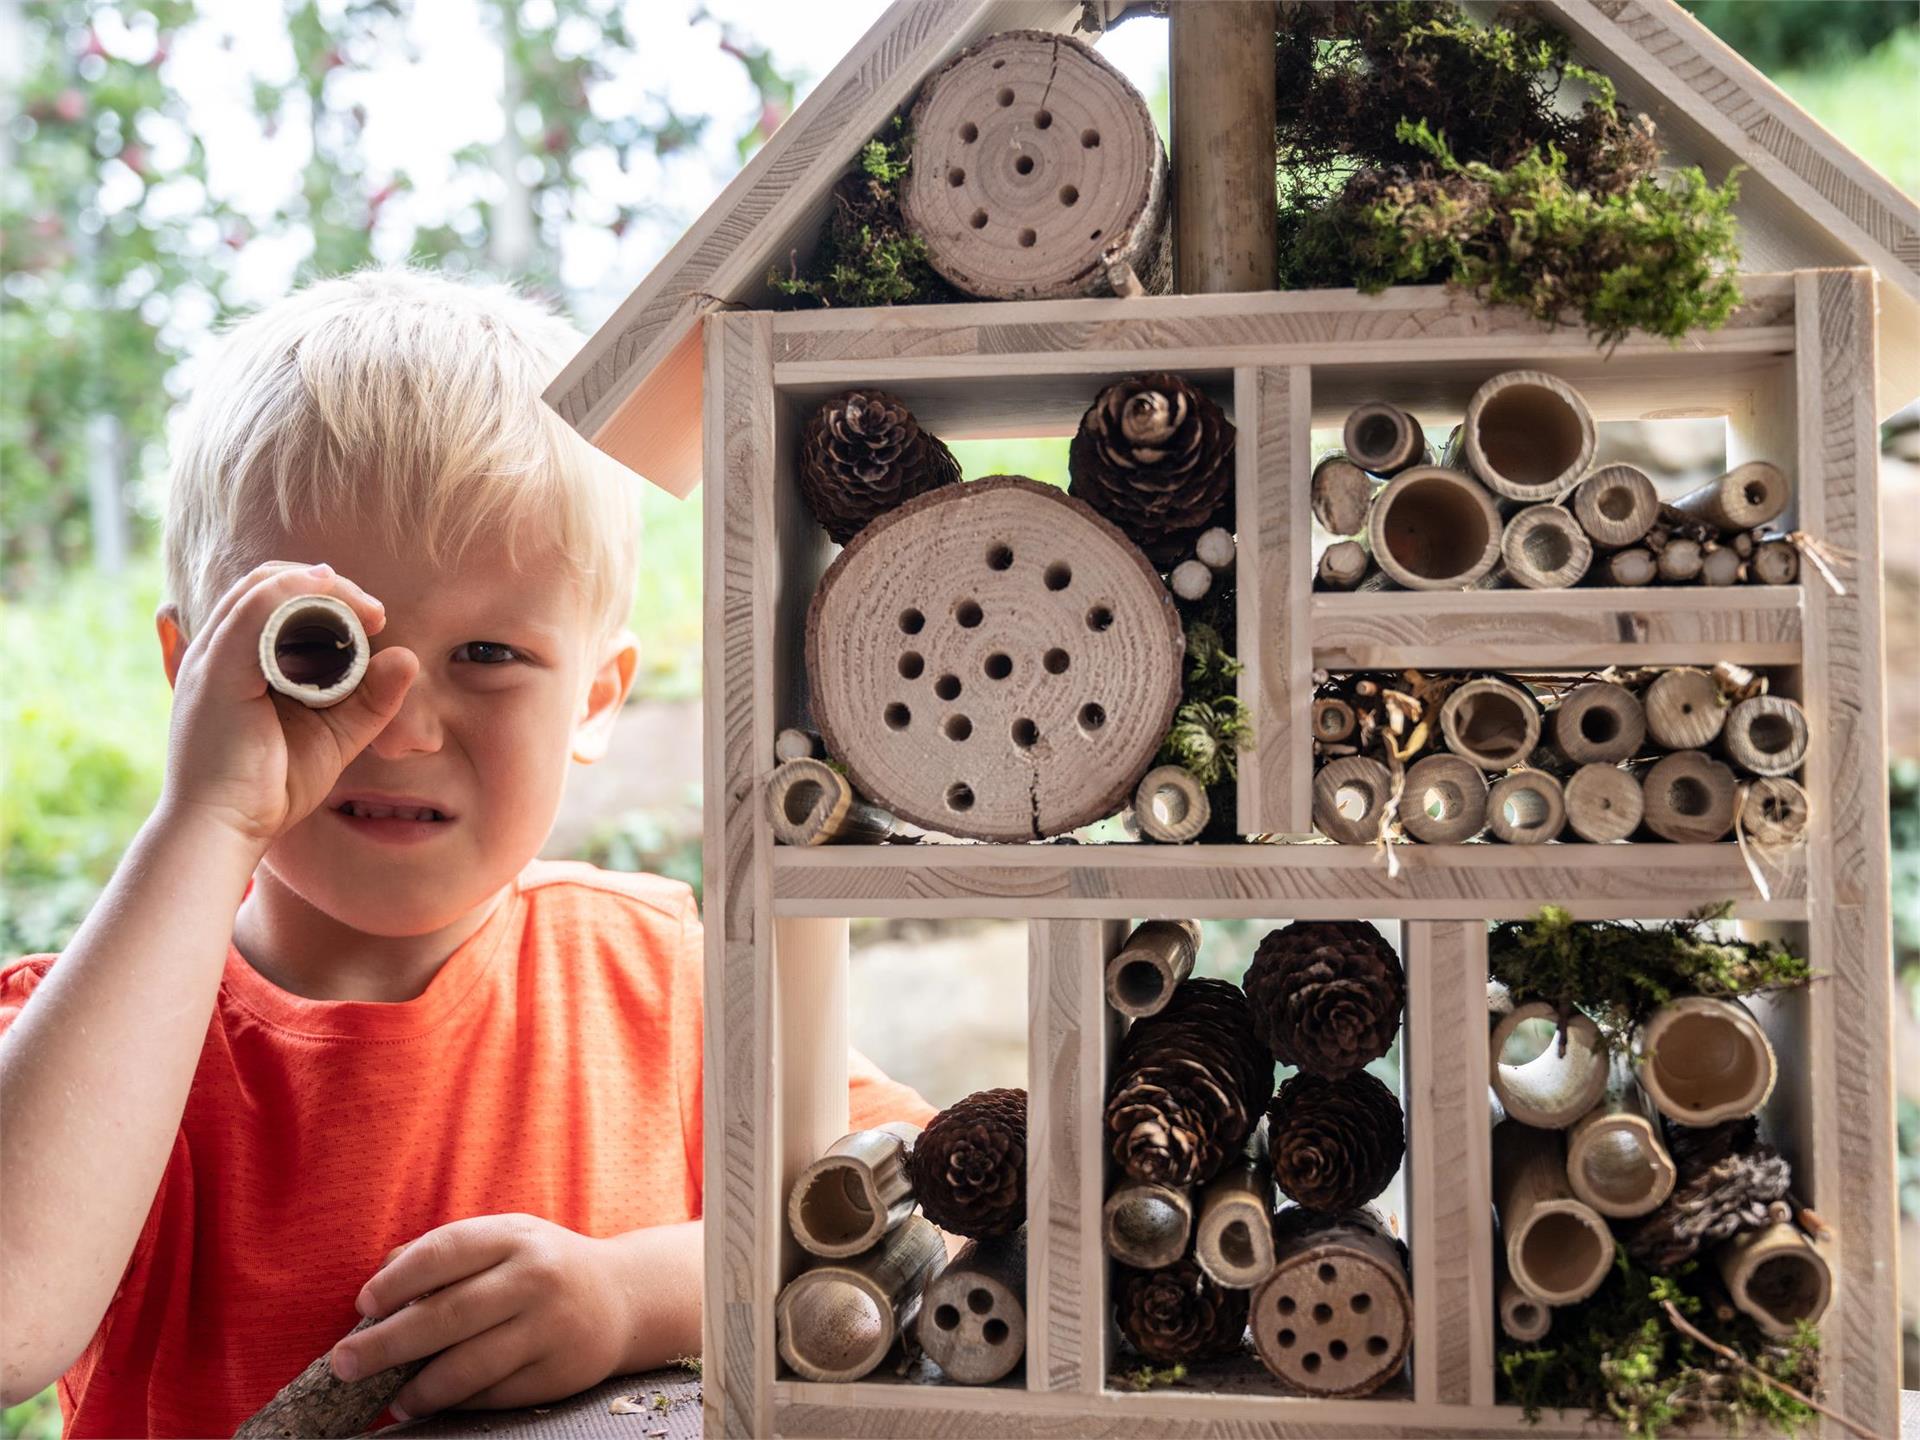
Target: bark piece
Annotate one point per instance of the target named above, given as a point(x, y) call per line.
point(315, 1404)
point(1339, 494)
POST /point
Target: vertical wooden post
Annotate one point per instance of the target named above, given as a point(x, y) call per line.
point(810, 1055)
point(1222, 77)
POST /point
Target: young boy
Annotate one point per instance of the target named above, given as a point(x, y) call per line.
point(296, 1033)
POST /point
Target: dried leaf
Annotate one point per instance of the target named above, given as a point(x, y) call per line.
point(626, 1405)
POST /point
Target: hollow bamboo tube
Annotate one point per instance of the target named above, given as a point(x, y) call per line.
point(1558, 1249)
point(1528, 436)
point(1684, 709)
point(1617, 1158)
point(1383, 440)
point(1719, 565)
point(837, 1320)
point(1343, 565)
point(1774, 562)
point(1599, 723)
point(1434, 529)
point(846, 1200)
point(1146, 1224)
point(1689, 798)
point(1544, 548)
point(1445, 801)
point(1560, 1084)
point(1604, 803)
point(1349, 796)
point(1703, 1059)
point(973, 1317)
point(1632, 567)
point(1339, 494)
point(1746, 496)
point(1528, 807)
point(1157, 956)
point(1521, 1316)
point(1490, 722)
point(1335, 1316)
point(1776, 1276)
point(796, 744)
point(1333, 720)
point(811, 803)
point(1775, 812)
point(1679, 561)
point(1233, 1238)
point(1766, 735)
point(1170, 806)
point(314, 649)
point(1616, 505)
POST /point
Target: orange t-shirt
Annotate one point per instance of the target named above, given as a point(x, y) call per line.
point(551, 1067)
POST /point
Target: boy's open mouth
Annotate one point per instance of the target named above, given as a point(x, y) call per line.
point(355, 809)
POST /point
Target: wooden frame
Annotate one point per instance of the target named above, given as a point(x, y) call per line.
point(1793, 377)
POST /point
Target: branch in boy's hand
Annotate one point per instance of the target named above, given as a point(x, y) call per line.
point(316, 1403)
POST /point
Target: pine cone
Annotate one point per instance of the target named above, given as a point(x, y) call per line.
point(969, 1165)
point(1728, 1182)
point(1326, 996)
point(1335, 1143)
point(862, 453)
point(1188, 1085)
point(1177, 1313)
point(1155, 457)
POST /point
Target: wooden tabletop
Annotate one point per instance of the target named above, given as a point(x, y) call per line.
point(668, 1404)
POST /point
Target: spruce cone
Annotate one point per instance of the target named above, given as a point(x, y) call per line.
point(1326, 996)
point(862, 453)
point(1155, 457)
point(969, 1165)
point(1177, 1313)
point(1728, 1182)
point(1335, 1143)
point(1188, 1085)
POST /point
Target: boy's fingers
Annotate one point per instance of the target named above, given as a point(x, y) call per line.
point(429, 1325)
point(435, 1260)
point(233, 648)
point(529, 1385)
point(364, 713)
point(466, 1370)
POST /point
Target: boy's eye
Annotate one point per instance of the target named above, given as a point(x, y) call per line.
point(491, 652)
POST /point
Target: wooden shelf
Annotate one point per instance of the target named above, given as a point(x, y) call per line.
point(1568, 630)
point(1308, 881)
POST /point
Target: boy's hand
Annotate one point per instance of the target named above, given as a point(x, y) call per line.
point(244, 754)
point(520, 1310)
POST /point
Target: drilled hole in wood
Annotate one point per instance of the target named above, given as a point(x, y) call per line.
point(1056, 660)
point(978, 220)
point(1322, 1313)
point(1525, 809)
point(1059, 575)
point(969, 132)
point(1326, 1274)
point(898, 716)
point(958, 727)
point(1043, 119)
point(1361, 1303)
point(912, 622)
point(1352, 801)
point(1099, 618)
point(960, 796)
point(1310, 1361)
point(979, 1300)
point(1069, 196)
point(1000, 557)
point(999, 64)
point(911, 665)
point(1026, 734)
point(1599, 724)
point(967, 612)
point(1095, 235)
point(1546, 548)
point(1287, 1305)
point(1286, 1339)
point(1005, 97)
point(1092, 716)
point(947, 687)
point(1755, 492)
point(1770, 734)
point(1616, 502)
point(1441, 802)
point(1377, 1344)
point(1029, 238)
point(946, 1317)
point(1687, 796)
point(1023, 165)
point(1338, 1349)
point(1169, 805)
point(998, 666)
point(994, 1332)
point(956, 177)
point(1090, 139)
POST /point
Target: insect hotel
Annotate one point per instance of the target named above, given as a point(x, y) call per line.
point(1348, 621)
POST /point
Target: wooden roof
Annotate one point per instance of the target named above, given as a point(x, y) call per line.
point(1806, 201)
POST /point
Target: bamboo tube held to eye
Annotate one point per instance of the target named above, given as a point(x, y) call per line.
point(1604, 803)
point(1233, 1242)
point(973, 1317)
point(1616, 505)
point(811, 803)
point(1632, 567)
point(1703, 1059)
point(1528, 436)
point(855, 1193)
point(1528, 807)
point(1157, 956)
point(1776, 1276)
point(1335, 1316)
point(1339, 494)
point(1445, 802)
point(1434, 529)
point(1522, 1317)
point(1490, 722)
point(1775, 812)
point(1544, 548)
point(1766, 735)
point(1746, 496)
point(1349, 796)
point(1684, 709)
point(1617, 1158)
point(1383, 440)
point(314, 649)
point(1146, 1224)
point(1558, 1249)
point(1343, 565)
point(836, 1321)
point(1170, 806)
point(1599, 724)
point(1561, 1083)
point(1689, 798)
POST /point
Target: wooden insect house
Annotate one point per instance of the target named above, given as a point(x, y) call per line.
point(1351, 618)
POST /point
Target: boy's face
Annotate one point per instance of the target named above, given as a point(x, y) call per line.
point(513, 685)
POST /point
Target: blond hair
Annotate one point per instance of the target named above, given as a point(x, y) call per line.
point(406, 405)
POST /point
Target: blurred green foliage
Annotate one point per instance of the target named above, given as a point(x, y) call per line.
point(1797, 34)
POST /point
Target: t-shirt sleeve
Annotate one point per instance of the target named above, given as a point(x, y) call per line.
point(689, 969)
point(874, 1099)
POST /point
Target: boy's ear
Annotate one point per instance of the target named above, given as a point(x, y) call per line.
point(173, 640)
point(608, 692)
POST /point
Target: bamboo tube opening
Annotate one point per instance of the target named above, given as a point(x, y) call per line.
point(1156, 957)
point(1790, 1286)
point(1614, 1171)
point(1383, 439)
point(1147, 1225)
point(1776, 1276)
point(1545, 548)
point(1490, 723)
point(1236, 1244)
point(837, 1326)
point(1766, 735)
point(314, 649)
point(1704, 1060)
point(1434, 529)
point(1539, 1081)
point(1528, 436)
point(1349, 796)
point(1446, 800)
point(1561, 1249)
point(1521, 1316)
point(833, 1207)
point(1527, 808)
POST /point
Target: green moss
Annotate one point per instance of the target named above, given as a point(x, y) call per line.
point(1620, 973)
point(1211, 726)
point(1148, 1378)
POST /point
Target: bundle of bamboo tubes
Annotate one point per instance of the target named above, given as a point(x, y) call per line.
point(1672, 753)
point(1515, 500)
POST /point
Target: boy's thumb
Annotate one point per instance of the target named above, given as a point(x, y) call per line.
point(373, 702)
